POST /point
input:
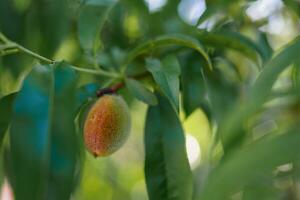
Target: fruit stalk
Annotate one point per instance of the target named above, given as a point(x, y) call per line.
point(114, 88)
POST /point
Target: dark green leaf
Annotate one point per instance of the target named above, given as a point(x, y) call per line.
point(44, 146)
point(141, 92)
point(193, 85)
point(6, 107)
point(47, 19)
point(81, 115)
point(85, 93)
point(64, 147)
point(165, 40)
point(263, 43)
point(221, 93)
point(29, 135)
point(167, 171)
point(91, 20)
point(6, 104)
point(166, 75)
point(233, 40)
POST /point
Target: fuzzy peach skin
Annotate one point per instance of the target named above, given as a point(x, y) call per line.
point(107, 125)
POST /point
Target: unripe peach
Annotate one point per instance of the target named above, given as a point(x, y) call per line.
point(107, 125)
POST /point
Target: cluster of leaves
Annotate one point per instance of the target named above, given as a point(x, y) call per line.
point(42, 107)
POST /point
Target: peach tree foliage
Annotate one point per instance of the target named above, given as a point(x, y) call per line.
point(171, 66)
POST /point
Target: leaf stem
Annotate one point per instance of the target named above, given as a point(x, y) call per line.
point(9, 51)
point(96, 72)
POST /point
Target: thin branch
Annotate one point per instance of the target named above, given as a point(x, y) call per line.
point(35, 55)
point(13, 45)
point(10, 47)
point(114, 88)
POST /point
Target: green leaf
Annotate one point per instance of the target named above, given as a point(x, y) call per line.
point(221, 93)
point(6, 105)
point(29, 134)
point(81, 115)
point(64, 159)
point(193, 84)
point(166, 75)
point(231, 128)
point(85, 93)
point(264, 45)
point(226, 39)
point(166, 40)
point(167, 171)
point(141, 92)
point(48, 20)
point(91, 20)
point(244, 166)
point(44, 146)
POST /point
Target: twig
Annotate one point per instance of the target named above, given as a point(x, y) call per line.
point(13, 45)
point(114, 88)
point(10, 47)
point(34, 55)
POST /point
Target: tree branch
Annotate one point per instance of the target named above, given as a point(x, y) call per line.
point(10, 47)
point(114, 88)
point(34, 55)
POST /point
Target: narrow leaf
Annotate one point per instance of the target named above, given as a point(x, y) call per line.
point(85, 97)
point(166, 75)
point(221, 93)
point(141, 92)
point(91, 19)
point(193, 85)
point(64, 147)
point(6, 104)
point(44, 147)
point(167, 171)
point(166, 40)
point(85, 93)
point(264, 45)
point(226, 39)
point(29, 134)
